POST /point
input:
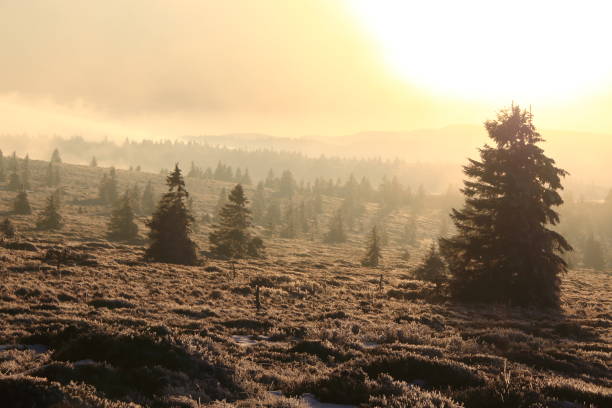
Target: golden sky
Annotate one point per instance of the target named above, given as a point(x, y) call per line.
point(153, 68)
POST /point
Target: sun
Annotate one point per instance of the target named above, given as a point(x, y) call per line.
point(521, 50)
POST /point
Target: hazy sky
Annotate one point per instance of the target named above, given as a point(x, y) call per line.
point(149, 68)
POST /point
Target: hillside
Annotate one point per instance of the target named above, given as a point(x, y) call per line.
point(106, 329)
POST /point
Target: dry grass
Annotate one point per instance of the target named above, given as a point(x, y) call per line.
point(118, 331)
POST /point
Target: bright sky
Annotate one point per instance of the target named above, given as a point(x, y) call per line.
point(166, 68)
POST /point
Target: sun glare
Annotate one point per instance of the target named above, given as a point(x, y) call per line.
point(494, 50)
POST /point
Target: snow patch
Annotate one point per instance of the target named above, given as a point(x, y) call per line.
point(243, 341)
point(313, 402)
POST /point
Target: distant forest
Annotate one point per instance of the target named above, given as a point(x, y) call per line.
point(155, 156)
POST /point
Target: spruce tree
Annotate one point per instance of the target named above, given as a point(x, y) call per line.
point(432, 268)
point(108, 190)
point(121, 225)
point(55, 157)
point(50, 218)
point(170, 226)
point(503, 250)
point(336, 233)
point(231, 237)
point(373, 252)
point(14, 183)
point(94, 162)
point(22, 204)
point(7, 228)
point(593, 256)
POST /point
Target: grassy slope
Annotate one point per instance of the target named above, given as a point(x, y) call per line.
point(165, 335)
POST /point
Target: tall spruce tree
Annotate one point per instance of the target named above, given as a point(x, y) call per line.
point(503, 250)
point(373, 252)
point(231, 237)
point(50, 218)
point(170, 226)
point(121, 225)
point(22, 204)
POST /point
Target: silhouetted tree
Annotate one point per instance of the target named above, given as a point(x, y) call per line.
point(7, 228)
point(22, 204)
point(94, 162)
point(108, 190)
point(231, 237)
point(170, 226)
point(503, 250)
point(50, 218)
point(121, 225)
point(432, 268)
point(593, 256)
point(373, 251)
point(14, 183)
point(55, 157)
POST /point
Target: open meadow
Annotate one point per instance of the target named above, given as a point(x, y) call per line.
point(104, 328)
